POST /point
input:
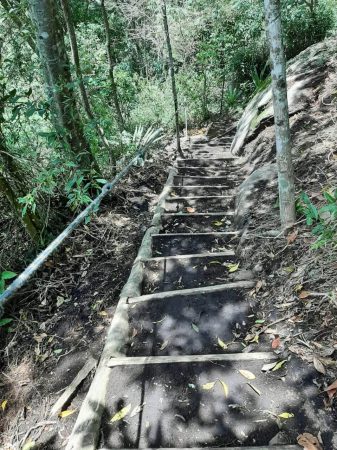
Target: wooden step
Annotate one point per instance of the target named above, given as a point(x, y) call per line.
point(268, 447)
point(197, 222)
point(192, 180)
point(182, 272)
point(227, 357)
point(199, 291)
point(177, 411)
point(190, 321)
point(188, 243)
point(198, 191)
point(203, 204)
point(210, 171)
point(207, 162)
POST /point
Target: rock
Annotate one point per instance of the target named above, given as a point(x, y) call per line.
point(248, 193)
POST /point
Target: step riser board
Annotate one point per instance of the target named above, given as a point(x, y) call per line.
point(202, 204)
point(222, 163)
point(174, 274)
point(194, 223)
point(208, 172)
point(199, 191)
point(180, 180)
point(170, 245)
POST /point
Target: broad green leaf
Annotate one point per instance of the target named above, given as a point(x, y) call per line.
point(121, 414)
point(4, 322)
point(247, 374)
point(8, 275)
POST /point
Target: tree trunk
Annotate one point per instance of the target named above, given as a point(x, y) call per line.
point(173, 80)
point(28, 219)
point(50, 42)
point(204, 96)
point(222, 95)
point(8, 7)
point(281, 114)
point(74, 49)
point(111, 60)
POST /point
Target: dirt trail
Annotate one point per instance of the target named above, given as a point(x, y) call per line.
point(186, 377)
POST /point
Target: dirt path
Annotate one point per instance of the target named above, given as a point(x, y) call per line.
point(185, 378)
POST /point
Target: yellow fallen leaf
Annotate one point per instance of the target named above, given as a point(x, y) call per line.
point(232, 267)
point(66, 413)
point(103, 313)
point(208, 386)
point(217, 223)
point(4, 404)
point(190, 210)
point(222, 344)
point(247, 374)
point(225, 388)
point(121, 414)
point(279, 365)
point(286, 415)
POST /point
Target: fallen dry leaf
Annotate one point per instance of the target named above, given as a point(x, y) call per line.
point(286, 415)
point(303, 294)
point(164, 345)
point(208, 386)
point(319, 366)
point(121, 414)
point(190, 210)
point(66, 413)
point(309, 442)
point(276, 342)
point(222, 344)
point(4, 404)
point(292, 237)
point(331, 390)
point(137, 410)
point(247, 374)
point(225, 388)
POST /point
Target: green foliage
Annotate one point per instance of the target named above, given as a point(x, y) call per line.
point(215, 44)
point(260, 81)
point(5, 276)
point(322, 220)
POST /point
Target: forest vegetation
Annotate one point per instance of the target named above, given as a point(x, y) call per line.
point(79, 77)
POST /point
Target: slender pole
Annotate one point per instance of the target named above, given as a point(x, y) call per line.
point(281, 113)
point(173, 80)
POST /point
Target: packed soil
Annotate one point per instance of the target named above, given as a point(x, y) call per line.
point(64, 312)
point(296, 285)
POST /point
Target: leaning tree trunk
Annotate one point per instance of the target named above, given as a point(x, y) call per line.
point(66, 118)
point(173, 80)
point(111, 59)
point(281, 114)
point(74, 50)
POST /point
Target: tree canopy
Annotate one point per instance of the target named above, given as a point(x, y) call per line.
point(78, 77)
